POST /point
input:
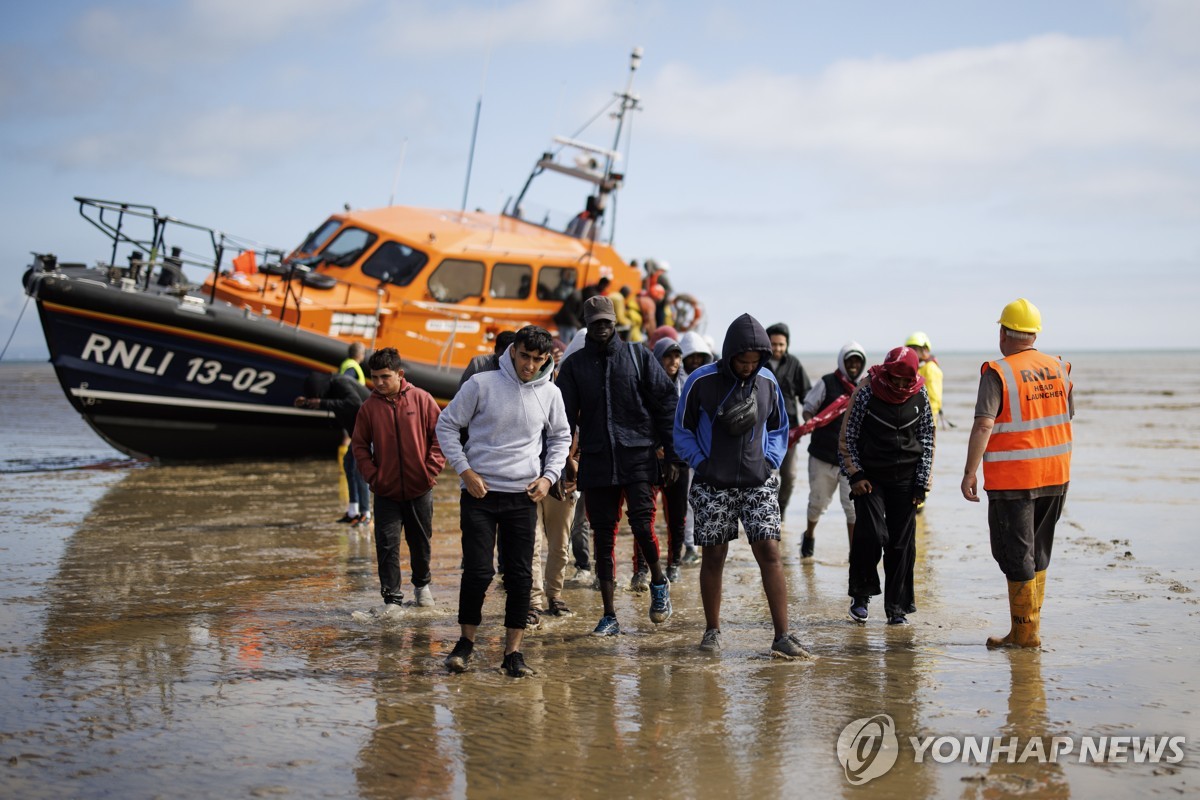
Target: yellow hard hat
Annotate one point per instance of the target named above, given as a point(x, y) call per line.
point(1021, 315)
point(918, 339)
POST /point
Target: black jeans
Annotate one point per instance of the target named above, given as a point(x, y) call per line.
point(886, 525)
point(1022, 534)
point(415, 517)
point(511, 516)
point(675, 508)
point(604, 514)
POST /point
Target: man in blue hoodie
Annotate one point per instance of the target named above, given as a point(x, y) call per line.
point(515, 452)
point(732, 427)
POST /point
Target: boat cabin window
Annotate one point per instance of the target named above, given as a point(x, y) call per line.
point(556, 283)
point(453, 281)
point(511, 281)
point(320, 236)
point(347, 247)
point(395, 263)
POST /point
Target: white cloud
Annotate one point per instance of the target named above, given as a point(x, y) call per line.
point(425, 27)
point(221, 143)
point(1027, 115)
point(206, 30)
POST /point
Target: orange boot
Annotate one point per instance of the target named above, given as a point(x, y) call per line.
point(1025, 612)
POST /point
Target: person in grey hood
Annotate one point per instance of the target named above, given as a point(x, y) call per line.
point(516, 450)
point(828, 400)
point(731, 426)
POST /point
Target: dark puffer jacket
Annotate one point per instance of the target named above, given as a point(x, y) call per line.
point(623, 404)
point(722, 460)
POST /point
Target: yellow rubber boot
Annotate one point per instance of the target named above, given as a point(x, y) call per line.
point(1040, 579)
point(1022, 597)
point(343, 487)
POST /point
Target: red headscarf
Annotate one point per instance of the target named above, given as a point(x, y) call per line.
point(902, 363)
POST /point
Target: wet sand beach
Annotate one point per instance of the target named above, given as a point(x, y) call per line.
point(187, 631)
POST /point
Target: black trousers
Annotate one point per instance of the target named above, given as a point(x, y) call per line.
point(415, 518)
point(603, 504)
point(675, 508)
point(1022, 534)
point(512, 517)
point(886, 526)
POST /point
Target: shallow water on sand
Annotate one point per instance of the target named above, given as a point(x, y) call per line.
point(187, 631)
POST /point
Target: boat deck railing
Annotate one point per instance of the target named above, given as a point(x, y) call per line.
point(144, 237)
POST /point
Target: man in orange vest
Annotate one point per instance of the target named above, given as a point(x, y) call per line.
point(1022, 436)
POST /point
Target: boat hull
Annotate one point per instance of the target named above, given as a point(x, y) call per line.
point(182, 381)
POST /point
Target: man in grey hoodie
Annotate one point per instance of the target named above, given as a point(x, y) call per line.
point(516, 450)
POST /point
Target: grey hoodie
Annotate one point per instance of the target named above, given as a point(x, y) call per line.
point(507, 421)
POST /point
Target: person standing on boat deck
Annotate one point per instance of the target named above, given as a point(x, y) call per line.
point(622, 403)
point(358, 496)
point(794, 383)
point(732, 428)
point(1022, 436)
point(828, 400)
point(514, 454)
point(396, 447)
point(885, 449)
point(342, 395)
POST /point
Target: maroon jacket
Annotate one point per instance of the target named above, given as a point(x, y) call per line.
point(395, 443)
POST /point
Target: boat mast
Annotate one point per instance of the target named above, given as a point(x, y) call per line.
point(629, 102)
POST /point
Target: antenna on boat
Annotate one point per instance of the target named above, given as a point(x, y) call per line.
point(629, 102)
point(475, 128)
point(399, 166)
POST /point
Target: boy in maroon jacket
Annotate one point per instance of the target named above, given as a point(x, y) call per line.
point(396, 448)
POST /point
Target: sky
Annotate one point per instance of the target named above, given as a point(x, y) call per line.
point(858, 170)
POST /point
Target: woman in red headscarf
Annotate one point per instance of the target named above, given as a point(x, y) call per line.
point(886, 450)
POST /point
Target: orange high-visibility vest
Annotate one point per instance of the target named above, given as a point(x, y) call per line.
point(1030, 444)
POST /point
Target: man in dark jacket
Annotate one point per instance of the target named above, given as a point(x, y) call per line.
point(395, 444)
point(794, 383)
point(343, 395)
point(622, 403)
point(732, 428)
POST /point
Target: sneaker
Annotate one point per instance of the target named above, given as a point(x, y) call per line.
point(558, 608)
point(691, 555)
point(533, 620)
point(711, 643)
point(514, 664)
point(582, 577)
point(362, 521)
point(788, 646)
point(897, 619)
point(806, 547)
point(858, 609)
point(608, 626)
point(347, 518)
point(424, 596)
point(391, 608)
point(660, 602)
point(640, 582)
point(460, 656)
point(673, 573)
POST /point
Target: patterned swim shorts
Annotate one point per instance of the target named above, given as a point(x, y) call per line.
point(718, 511)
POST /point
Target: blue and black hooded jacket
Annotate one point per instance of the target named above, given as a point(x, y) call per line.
point(719, 459)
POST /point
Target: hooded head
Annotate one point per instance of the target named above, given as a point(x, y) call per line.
point(317, 384)
point(745, 335)
point(693, 344)
point(663, 332)
point(852, 348)
point(896, 379)
point(665, 345)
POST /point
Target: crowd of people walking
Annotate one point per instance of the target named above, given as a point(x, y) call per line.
point(551, 437)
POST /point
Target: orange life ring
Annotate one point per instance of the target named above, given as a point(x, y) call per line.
point(688, 312)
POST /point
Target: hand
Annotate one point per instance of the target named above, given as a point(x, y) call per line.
point(860, 487)
point(570, 472)
point(476, 486)
point(538, 490)
point(670, 472)
point(970, 487)
point(300, 402)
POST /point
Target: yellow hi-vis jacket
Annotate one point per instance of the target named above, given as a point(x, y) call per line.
point(351, 364)
point(1030, 445)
